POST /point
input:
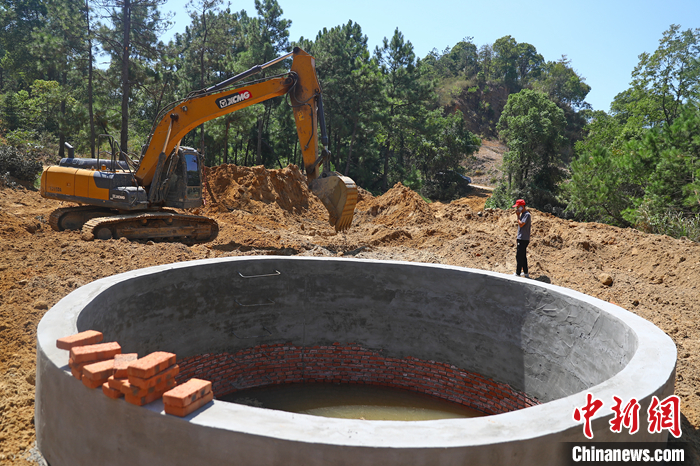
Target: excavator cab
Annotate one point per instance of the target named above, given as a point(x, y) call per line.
point(184, 186)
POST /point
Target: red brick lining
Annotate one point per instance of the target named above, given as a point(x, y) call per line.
point(285, 363)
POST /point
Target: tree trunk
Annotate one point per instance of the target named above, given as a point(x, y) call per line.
point(201, 141)
point(61, 130)
point(228, 126)
point(352, 143)
point(202, 72)
point(89, 89)
point(259, 160)
point(124, 140)
point(385, 176)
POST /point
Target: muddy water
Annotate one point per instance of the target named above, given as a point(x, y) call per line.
point(351, 402)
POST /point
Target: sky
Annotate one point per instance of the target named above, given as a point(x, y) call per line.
point(602, 38)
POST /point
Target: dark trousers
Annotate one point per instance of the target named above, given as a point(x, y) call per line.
point(521, 256)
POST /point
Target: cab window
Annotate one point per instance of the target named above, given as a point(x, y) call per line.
point(192, 161)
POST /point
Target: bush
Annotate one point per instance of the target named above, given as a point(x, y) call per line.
point(670, 223)
point(500, 198)
point(446, 186)
point(18, 165)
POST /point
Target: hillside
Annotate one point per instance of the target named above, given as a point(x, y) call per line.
point(262, 212)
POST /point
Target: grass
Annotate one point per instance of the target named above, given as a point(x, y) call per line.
point(671, 223)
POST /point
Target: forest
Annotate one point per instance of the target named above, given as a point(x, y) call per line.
point(71, 70)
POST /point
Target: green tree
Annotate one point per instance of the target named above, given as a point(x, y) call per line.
point(351, 90)
point(531, 125)
point(528, 62)
point(266, 37)
point(505, 61)
point(62, 50)
point(132, 42)
point(559, 81)
point(662, 83)
point(207, 45)
point(407, 95)
point(598, 189)
point(638, 165)
point(642, 180)
point(18, 67)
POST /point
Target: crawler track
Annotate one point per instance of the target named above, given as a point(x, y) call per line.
point(156, 226)
point(73, 218)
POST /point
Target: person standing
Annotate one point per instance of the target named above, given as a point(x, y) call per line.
point(523, 239)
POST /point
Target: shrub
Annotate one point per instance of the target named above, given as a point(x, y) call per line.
point(671, 223)
point(445, 186)
point(16, 164)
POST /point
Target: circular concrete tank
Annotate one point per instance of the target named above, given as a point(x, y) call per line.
point(552, 344)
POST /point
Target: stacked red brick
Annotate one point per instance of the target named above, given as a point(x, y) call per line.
point(147, 378)
point(140, 381)
point(188, 397)
point(90, 361)
point(121, 364)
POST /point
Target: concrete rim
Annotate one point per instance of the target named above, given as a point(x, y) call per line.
point(639, 379)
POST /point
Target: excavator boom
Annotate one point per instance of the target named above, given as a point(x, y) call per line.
point(337, 193)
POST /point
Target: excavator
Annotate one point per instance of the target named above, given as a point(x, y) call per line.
point(123, 198)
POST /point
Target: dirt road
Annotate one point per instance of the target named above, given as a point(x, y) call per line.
point(271, 212)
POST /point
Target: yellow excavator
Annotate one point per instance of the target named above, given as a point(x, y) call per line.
point(122, 198)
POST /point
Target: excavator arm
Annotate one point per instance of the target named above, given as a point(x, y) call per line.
point(338, 193)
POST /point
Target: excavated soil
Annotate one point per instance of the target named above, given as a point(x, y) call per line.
point(272, 212)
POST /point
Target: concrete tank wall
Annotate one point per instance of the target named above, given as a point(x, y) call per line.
point(552, 343)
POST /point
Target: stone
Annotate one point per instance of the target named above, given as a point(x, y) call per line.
point(606, 279)
point(41, 304)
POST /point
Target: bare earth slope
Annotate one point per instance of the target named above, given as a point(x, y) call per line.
point(272, 212)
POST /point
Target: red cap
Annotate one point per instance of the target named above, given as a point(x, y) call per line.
point(519, 202)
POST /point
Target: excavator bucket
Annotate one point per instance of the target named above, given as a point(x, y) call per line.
point(339, 194)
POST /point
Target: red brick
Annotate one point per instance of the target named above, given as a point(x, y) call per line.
point(79, 367)
point(189, 409)
point(117, 383)
point(110, 392)
point(187, 393)
point(88, 337)
point(151, 397)
point(133, 390)
point(151, 364)
point(167, 374)
point(99, 370)
point(77, 372)
point(98, 352)
point(121, 363)
point(92, 383)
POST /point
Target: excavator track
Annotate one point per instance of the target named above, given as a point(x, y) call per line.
point(155, 226)
point(73, 218)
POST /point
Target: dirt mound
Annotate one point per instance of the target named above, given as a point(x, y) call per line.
point(257, 190)
point(398, 207)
